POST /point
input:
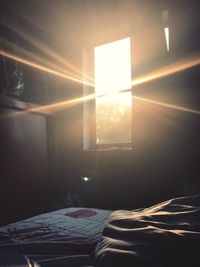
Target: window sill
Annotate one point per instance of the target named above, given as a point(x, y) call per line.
point(109, 149)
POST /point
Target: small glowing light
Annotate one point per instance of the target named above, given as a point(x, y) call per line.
point(86, 179)
point(166, 30)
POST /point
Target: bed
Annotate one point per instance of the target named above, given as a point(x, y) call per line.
point(66, 235)
point(164, 235)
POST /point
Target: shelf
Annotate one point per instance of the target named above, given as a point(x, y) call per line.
point(12, 103)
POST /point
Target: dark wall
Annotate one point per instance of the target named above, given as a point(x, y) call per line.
point(166, 128)
point(25, 183)
point(166, 139)
point(163, 160)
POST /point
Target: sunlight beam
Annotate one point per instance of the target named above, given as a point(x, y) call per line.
point(38, 59)
point(52, 107)
point(69, 103)
point(43, 48)
point(42, 68)
point(63, 104)
point(166, 71)
point(176, 107)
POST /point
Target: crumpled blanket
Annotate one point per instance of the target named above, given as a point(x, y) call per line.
point(164, 235)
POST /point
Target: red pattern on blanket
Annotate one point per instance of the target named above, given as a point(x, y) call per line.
point(82, 213)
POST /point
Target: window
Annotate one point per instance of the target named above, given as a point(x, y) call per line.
point(165, 17)
point(108, 117)
point(166, 30)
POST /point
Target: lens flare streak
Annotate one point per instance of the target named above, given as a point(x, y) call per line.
point(42, 68)
point(163, 72)
point(176, 107)
point(39, 45)
point(166, 71)
point(37, 59)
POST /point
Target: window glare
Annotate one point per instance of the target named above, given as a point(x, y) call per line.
point(113, 67)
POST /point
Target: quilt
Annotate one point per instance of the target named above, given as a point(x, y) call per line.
point(69, 230)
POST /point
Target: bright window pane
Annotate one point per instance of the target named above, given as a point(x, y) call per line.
point(113, 109)
point(166, 30)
